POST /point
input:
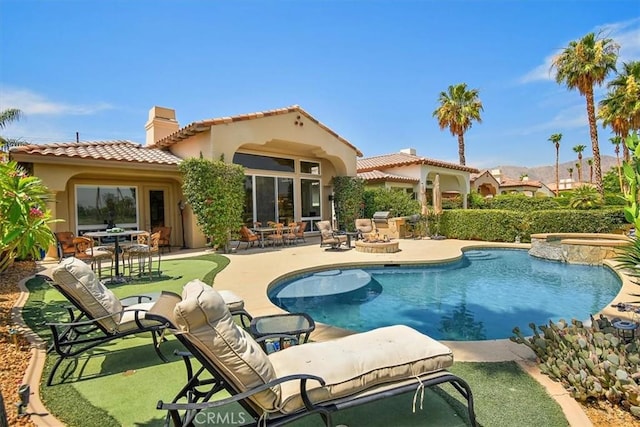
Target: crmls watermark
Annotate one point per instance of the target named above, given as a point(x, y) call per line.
point(220, 418)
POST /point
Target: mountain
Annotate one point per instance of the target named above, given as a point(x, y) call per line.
point(547, 174)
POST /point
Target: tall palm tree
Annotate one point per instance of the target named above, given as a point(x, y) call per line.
point(617, 140)
point(6, 117)
point(579, 149)
point(590, 163)
point(458, 109)
point(581, 65)
point(555, 139)
point(621, 108)
point(570, 170)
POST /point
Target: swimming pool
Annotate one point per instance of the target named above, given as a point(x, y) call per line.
point(481, 297)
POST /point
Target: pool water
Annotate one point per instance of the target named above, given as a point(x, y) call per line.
point(481, 297)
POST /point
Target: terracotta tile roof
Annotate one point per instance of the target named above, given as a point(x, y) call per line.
point(507, 182)
point(376, 176)
point(404, 159)
point(120, 151)
point(204, 125)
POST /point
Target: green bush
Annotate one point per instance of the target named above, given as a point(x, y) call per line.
point(520, 202)
point(590, 362)
point(504, 225)
point(348, 193)
point(576, 221)
point(215, 191)
point(399, 202)
point(488, 225)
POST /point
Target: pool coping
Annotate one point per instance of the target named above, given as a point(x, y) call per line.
point(251, 279)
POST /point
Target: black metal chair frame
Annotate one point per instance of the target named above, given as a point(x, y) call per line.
point(83, 331)
point(184, 413)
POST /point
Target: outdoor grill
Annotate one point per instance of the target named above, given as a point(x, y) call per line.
point(381, 219)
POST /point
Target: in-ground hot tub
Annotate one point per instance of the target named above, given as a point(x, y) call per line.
point(577, 248)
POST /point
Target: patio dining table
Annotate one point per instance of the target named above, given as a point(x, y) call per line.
point(100, 234)
point(267, 230)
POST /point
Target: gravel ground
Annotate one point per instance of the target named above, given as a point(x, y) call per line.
point(14, 359)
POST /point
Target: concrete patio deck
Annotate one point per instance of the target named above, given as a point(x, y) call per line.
point(251, 271)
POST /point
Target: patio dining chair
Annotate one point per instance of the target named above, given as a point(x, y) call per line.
point(85, 250)
point(97, 316)
point(247, 236)
point(141, 255)
point(302, 225)
point(301, 380)
point(64, 243)
point(290, 236)
point(277, 237)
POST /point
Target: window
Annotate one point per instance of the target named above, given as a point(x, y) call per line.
point(311, 168)
point(310, 197)
point(252, 161)
point(98, 207)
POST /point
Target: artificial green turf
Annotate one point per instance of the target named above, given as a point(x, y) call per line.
point(120, 383)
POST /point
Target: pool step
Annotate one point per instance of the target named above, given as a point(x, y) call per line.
point(479, 255)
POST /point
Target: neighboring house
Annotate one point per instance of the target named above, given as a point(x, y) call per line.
point(567, 185)
point(492, 183)
point(407, 171)
point(289, 158)
point(485, 184)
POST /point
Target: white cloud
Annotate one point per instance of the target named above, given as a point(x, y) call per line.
point(626, 34)
point(31, 103)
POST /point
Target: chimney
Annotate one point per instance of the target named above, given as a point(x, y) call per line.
point(162, 122)
point(410, 151)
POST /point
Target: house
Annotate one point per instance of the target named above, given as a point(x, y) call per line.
point(492, 183)
point(407, 171)
point(289, 157)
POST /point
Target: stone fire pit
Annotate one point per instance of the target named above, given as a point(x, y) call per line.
point(377, 246)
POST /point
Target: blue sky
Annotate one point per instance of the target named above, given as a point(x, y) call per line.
point(370, 70)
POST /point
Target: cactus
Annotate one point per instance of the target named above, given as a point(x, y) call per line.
point(591, 362)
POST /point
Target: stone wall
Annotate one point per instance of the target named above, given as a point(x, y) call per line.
point(578, 248)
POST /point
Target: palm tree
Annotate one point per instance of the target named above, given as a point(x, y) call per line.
point(570, 170)
point(617, 140)
point(555, 139)
point(621, 109)
point(579, 149)
point(6, 117)
point(590, 163)
point(458, 109)
point(583, 64)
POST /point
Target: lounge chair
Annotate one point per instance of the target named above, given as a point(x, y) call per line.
point(365, 227)
point(97, 316)
point(316, 378)
point(328, 237)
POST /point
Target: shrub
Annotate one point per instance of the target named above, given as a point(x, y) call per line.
point(24, 218)
point(504, 225)
point(585, 197)
point(590, 362)
point(215, 191)
point(489, 225)
point(400, 203)
point(520, 202)
point(348, 193)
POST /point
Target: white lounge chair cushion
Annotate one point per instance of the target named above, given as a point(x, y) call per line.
point(233, 301)
point(128, 319)
point(203, 314)
point(81, 283)
point(358, 362)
